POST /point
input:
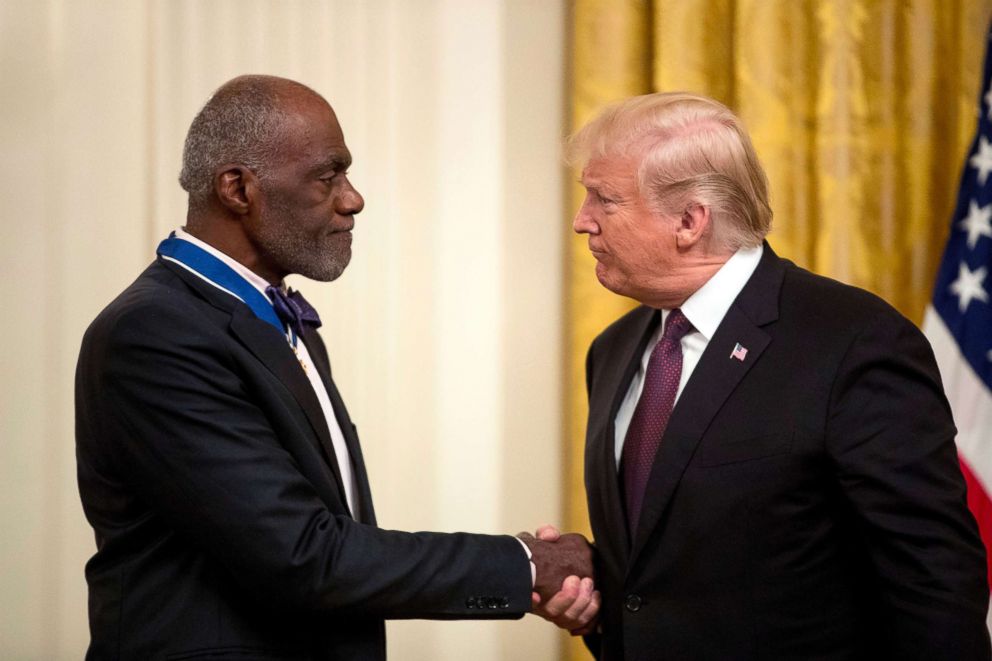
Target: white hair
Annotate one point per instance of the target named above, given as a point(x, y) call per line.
point(241, 123)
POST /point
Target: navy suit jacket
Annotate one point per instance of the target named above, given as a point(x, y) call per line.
point(805, 503)
point(206, 469)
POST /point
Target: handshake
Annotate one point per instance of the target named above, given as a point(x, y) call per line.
point(563, 584)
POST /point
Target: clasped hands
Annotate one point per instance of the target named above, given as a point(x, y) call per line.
point(563, 587)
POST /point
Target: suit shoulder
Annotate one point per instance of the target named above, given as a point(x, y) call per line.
point(157, 301)
point(834, 304)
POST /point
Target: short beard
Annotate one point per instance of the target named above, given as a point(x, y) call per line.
point(284, 244)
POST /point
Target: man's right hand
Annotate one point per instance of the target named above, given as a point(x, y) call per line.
point(563, 587)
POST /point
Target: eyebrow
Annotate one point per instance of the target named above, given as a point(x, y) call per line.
point(337, 162)
point(594, 185)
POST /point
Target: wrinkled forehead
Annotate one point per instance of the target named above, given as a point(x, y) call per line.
point(620, 159)
point(611, 173)
point(308, 116)
point(611, 150)
point(311, 134)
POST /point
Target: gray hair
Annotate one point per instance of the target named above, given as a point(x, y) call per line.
point(241, 123)
point(692, 148)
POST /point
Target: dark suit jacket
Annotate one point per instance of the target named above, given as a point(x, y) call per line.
point(206, 470)
point(805, 503)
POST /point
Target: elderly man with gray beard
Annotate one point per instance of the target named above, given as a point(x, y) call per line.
point(217, 463)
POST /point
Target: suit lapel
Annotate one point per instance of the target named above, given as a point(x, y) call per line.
point(626, 357)
point(713, 380)
point(261, 339)
point(272, 350)
point(366, 513)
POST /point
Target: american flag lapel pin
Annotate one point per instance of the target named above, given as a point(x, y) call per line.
point(739, 352)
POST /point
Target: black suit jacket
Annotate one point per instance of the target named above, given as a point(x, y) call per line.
point(805, 503)
point(206, 470)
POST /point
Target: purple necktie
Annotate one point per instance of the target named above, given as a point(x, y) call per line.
point(647, 426)
point(292, 309)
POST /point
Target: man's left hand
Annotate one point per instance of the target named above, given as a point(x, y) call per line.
point(575, 607)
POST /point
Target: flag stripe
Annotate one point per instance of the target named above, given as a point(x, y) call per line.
point(971, 402)
point(981, 507)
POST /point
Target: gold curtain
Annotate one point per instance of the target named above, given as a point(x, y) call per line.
point(860, 110)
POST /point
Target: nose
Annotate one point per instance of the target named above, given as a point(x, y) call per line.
point(583, 223)
point(350, 201)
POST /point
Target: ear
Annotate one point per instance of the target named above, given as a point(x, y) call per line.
point(693, 224)
point(236, 187)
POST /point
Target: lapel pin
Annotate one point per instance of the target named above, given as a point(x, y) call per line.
point(739, 352)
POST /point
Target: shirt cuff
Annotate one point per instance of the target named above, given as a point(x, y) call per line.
point(533, 567)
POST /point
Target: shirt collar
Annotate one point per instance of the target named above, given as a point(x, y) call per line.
point(706, 308)
point(255, 280)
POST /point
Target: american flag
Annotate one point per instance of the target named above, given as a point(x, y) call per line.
point(959, 320)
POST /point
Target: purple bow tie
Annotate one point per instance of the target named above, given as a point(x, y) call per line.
point(293, 309)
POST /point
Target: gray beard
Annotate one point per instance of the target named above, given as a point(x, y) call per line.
point(296, 253)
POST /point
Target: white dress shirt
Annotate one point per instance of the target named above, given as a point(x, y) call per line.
point(705, 309)
point(337, 437)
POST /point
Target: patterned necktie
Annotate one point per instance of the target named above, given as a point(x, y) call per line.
point(293, 309)
point(647, 426)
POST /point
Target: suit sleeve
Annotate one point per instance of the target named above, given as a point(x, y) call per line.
point(165, 397)
point(891, 437)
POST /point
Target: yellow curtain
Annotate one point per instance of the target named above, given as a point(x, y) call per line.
point(860, 110)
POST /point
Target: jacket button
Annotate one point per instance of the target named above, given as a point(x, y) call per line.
point(470, 602)
point(504, 603)
point(632, 603)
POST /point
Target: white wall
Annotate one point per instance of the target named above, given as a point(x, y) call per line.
point(444, 332)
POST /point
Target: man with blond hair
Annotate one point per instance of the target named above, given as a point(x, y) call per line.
point(770, 462)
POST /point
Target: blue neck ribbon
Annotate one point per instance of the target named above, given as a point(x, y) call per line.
point(219, 273)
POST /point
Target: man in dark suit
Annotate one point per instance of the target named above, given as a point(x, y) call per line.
point(770, 463)
point(217, 463)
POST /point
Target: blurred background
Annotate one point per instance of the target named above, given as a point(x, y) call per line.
point(459, 331)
